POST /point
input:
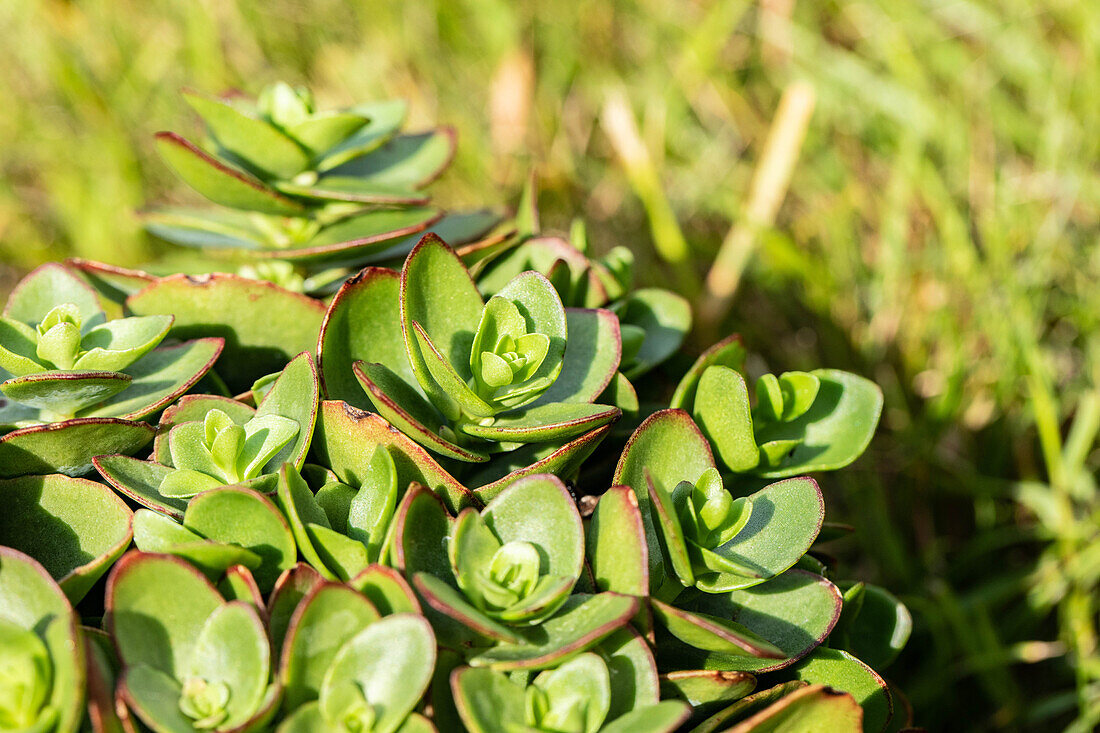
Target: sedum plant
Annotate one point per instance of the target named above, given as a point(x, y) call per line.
point(42, 680)
point(465, 377)
point(364, 514)
point(304, 192)
point(76, 384)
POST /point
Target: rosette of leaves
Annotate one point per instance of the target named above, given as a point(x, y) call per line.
point(577, 696)
point(347, 666)
point(191, 660)
point(315, 188)
point(75, 384)
point(42, 678)
point(74, 527)
point(730, 588)
point(503, 578)
point(207, 441)
point(800, 422)
point(652, 321)
point(461, 376)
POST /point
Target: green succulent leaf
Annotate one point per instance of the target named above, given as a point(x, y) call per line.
point(795, 612)
point(240, 516)
point(404, 162)
point(380, 674)
point(222, 182)
point(227, 674)
point(347, 439)
point(69, 447)
point(260, 144)
point(713, 633)
point(159, 377)
point(704, 689)
point(580, 623)
point(616, 544)
point(157, 533)
point(42, 647)
point(722, 411)
point(264, 326)
point(879, 627)
point(815, 707)
point(371, 294)
point(157, 606)
point(842, 672)
point(384, 119)
point(663, 317)
point(60, 395)
point(386, 589)
point(324, 621)
point(729, 352)
point(786, 517)
point(438, 294)
point(591, 359)
point(75, 528)
point(667, 448)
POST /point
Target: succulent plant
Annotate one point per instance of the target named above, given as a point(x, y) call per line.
point(42, 680)
point(191, 660)
point(574, 697)
point(388, 541)
point(208, 441)
point(461, 376)
point(318, 189)
point(820, 420)
point(652, 321)
point(76, 384)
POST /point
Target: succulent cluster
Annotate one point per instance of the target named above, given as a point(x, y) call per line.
point(362, 514)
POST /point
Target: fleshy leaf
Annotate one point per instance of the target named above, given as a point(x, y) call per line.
point(786, 517)
point(322, 623)
point(220, 182)
point(385, 667)
point(159, 377)
point(294, 395)
point(835, 430)
point(669, 447)
point(75, 528)
point(841, 671)
point(157, 606)
point(371, 294)
point(616, 544)
point(264, 326)
point(69, 447)
point(240, 516)
point(438, 294)
point(262, 145)
point(62, 394)
point(543, 423)
point(591, 357)
point(795, 611)
point(406, 161)
point(232, 650)
point(347, 438)
point(663, 316)
point(722, 411)
point(580, 623)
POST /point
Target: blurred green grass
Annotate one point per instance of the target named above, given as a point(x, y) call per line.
point(939, 234)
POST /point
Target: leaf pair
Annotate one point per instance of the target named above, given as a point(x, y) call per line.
point(801, 421)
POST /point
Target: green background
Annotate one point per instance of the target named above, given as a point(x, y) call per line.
point(938, 235)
